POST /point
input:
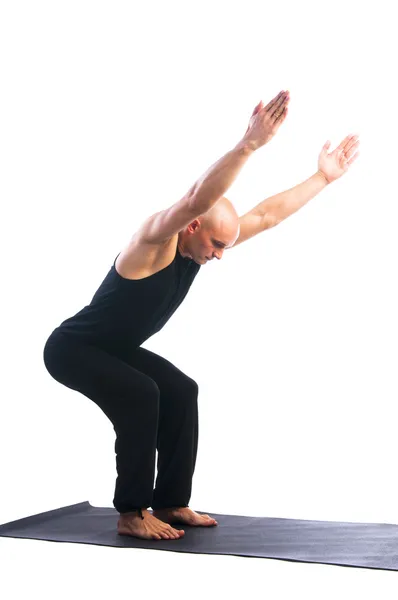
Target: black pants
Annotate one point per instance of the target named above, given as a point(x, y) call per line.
point(151, 404)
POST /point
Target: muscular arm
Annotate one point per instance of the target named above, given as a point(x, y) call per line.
point(203, 195)
point(275, 209)
point(270, 212)
point(208, 189)
point(219, 177)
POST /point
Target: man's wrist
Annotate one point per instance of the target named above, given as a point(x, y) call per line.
point(246, 147)
point(321, 175)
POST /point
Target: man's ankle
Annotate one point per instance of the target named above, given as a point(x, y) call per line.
point(138, 513)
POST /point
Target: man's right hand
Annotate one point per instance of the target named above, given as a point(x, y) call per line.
point(266, 120)
point(212, 185)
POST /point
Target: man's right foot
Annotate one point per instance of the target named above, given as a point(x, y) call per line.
point(148, 528)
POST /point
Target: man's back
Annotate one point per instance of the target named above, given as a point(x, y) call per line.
point(132, 305)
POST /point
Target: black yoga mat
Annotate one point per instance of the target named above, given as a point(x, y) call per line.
point(366, 545)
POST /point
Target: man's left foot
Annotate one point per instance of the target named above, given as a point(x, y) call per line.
point(184, 515)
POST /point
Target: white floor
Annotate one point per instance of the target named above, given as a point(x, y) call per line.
point(48, 570)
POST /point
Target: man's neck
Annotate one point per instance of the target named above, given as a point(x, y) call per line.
point(181, 246)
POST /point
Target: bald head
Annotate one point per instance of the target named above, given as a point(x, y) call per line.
point(210, 234)
point(222, 219)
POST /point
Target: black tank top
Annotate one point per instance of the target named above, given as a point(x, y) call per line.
point(125, 312)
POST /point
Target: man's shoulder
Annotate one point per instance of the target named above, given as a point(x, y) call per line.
point(140, 259)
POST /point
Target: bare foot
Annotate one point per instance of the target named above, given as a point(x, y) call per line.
point(184, 515)
point(148, 528)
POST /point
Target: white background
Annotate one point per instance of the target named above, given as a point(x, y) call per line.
point(109, 112)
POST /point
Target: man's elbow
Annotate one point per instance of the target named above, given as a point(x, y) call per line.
point(270, 220)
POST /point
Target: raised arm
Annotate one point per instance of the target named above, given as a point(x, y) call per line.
point(212, 185)
point(273, 210)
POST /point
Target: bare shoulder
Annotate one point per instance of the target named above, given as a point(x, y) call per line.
point(140, 259)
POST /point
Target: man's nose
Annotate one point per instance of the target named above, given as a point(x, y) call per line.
point(218, 254)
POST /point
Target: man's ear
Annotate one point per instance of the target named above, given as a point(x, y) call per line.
point(194, 226)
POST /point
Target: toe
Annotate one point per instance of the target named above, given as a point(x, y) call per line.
point(209, 519)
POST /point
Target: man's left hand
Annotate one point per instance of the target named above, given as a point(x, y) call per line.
point(334, 165)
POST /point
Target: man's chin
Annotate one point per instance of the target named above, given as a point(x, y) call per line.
point(200, 261)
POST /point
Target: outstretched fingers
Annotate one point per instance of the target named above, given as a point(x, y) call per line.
point(351, 147)
point(275, 108)
point(276, 111)
point(271, 104)
point(342, 145)
point(347, 151)
point(347, 144)
point(351, 160)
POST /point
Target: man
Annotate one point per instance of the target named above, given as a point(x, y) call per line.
point(152, 404)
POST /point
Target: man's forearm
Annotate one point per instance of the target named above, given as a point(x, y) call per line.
point(219, 177)
point(279, 207)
